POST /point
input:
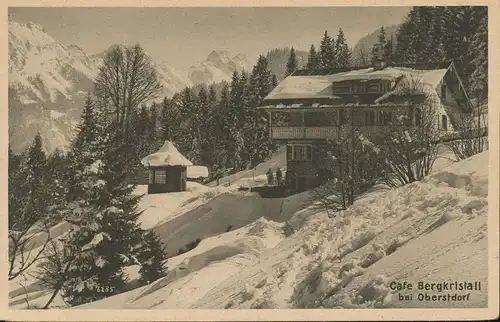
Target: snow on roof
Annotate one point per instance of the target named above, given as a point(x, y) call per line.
point(388, 73)
point(303, 87)
point(168, 155)
point(430, 77)
point(320, 86)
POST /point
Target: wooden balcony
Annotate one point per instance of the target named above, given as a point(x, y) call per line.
point(318, 132)
point(302, 132)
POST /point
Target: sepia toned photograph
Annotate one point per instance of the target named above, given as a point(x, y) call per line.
point(237, 158)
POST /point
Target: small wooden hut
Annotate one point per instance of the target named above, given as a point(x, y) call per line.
point(168, 170)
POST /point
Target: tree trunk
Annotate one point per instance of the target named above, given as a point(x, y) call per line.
point(46, 306)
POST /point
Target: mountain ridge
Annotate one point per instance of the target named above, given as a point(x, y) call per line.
point(48, 79)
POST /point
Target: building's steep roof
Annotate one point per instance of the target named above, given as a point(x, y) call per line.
point(168, 155)
point(303, 87)
point(320, 86)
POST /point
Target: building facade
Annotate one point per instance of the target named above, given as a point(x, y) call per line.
point(312, 107)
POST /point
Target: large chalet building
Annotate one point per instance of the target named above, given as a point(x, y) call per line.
point(308, 107)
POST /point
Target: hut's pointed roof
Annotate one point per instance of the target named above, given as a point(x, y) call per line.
point(167, 155)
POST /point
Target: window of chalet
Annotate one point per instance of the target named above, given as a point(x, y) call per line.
point(384, 86)
point(299, 152)
point(356, 88)
point(289, 152)
point(369, 118)
point(373, 87)
point(342, 88)
point(160, 176)
point(319, 118)
point(295, 119)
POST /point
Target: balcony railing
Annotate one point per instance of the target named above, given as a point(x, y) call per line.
point(318, 132)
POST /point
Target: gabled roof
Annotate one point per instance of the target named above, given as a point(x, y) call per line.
point(321, 86)
point(167, 155)
point(303, 87)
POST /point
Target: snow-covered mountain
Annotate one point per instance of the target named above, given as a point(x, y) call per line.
point(47, 85)
point(218, 67)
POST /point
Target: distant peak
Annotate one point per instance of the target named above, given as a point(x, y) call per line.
point(240, 57)
point(30, 25)
point(33, 26)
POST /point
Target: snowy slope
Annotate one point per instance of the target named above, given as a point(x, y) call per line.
point(257, 174)
point(434, 230)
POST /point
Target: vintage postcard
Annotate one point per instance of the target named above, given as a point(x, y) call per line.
point(231, 161)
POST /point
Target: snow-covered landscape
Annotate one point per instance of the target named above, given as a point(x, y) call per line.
point(288, 253)
point(319, 177)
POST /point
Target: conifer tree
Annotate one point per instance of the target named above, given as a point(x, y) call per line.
point(312, 60)
point(57, 170)
point(274, 81)
point(168, 119)
point(343, 55)
point(189, 127)
point(327, 52)
point(107, 233)
point(257, 133)
point(227, 128)
point(291, 64)
point(36, 182)
point(479, 77)
point(389, 50)
point(152, 256)
point(15, 189)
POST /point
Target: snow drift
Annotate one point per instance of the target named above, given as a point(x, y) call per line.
point(433, 230)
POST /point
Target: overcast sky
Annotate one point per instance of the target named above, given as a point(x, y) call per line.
point(181, 37)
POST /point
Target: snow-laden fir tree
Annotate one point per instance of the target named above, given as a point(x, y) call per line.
point(291, 64)
point(342, 53)
point(34, 174)
point(479, 77)
point(326, 57)
point(152, 256)
point(15, 189)
point(274, 81)
point(58, 166)
point(388, 50)
point(312, 60)
point(204, 124)
point(189, 127)
point(225, 122)
point(256, 129)
point(106, 233)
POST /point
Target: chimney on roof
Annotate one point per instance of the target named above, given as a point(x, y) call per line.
point(378, 61)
